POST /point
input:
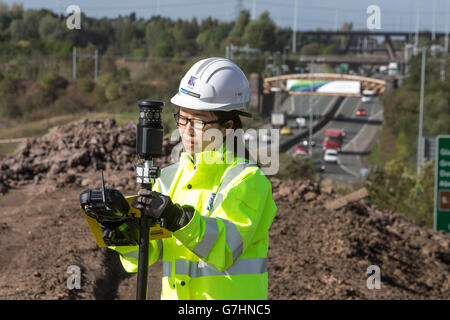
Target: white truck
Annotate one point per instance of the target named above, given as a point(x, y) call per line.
point(301, 122)
point(278, 119)
point(393, 69)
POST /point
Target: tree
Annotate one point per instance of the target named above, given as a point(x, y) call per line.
point(50, 29)
point(209, 40)
point(331, 49)
point(18, 30)
point(310, 49)
point(184, 34)
point(31, 20)
point(235, 36)
point(262, 33)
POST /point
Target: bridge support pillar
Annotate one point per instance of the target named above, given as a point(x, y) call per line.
point(268, 101)
point(389, 47)
point(256, 90)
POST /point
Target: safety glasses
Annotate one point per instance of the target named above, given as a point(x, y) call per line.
point(195, 123)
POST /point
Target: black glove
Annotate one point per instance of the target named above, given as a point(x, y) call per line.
point(158, 206)
point(120, 235)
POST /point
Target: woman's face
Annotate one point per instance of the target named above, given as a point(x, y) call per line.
point(194, 138)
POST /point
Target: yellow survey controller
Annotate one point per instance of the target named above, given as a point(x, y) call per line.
point(112, 219)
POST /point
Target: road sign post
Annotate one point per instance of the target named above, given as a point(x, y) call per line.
point(442, 184)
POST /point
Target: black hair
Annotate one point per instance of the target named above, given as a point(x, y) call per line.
point(224, 116)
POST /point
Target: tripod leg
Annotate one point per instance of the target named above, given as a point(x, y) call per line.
point(142, 278)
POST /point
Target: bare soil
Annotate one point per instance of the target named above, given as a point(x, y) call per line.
point(314, 253)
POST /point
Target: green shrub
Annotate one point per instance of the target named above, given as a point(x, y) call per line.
point(52, 85)
point(331, 49)
point(68, 104)
point(99, 94)
point(140, 53)
point(113, 91)
point(294, 167)
point(310, 49)
point(8, 107)
point(86, 85)
point(7, 86)
point(123, 74)
point(47, 79)
point(137, 91)
point(105, 79)
point(394, 188)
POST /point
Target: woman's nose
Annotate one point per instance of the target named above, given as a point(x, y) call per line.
point(190, 128)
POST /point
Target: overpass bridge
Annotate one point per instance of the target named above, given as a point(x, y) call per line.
point(373, 33)
point(352, 37)
point(279, 83)
point(372, 59)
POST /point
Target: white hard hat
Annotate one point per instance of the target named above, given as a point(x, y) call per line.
point(214, 84)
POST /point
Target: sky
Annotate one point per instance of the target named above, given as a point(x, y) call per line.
point(395, 15)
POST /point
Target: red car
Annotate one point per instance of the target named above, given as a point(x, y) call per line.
point(301, 150)
point(333, 139)
point(360, 112)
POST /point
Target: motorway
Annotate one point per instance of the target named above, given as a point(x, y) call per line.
point(360, 132)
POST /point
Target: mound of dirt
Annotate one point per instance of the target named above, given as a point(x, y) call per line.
point(315, 252)
point(71, 153)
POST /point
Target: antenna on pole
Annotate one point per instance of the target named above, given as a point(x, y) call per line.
point(416, 39)
point(239, 8)
point(433, 32)
point(294, 28)
point(445, 49)
point(253, 9)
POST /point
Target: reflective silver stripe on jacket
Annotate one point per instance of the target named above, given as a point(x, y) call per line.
point(203, 269)
point(232, 236)
point(229, 176)
point(167, 176)
point(209, 238)
point(167, 268)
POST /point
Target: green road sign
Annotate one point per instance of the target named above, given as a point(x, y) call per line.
point(442, 184)
point(343, 68)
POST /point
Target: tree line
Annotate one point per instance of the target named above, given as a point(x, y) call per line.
point(42, 31)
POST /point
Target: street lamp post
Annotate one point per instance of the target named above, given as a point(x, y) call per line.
point(311, 85)
point(422, 88)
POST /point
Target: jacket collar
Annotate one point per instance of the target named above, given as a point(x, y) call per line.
point(220, 157)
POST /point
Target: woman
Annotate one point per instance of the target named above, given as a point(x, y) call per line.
point(217, 205)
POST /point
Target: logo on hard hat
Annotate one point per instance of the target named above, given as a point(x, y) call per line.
point(191, 81)
point(190, 93)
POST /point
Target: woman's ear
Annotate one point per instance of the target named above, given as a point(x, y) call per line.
point(227, 125)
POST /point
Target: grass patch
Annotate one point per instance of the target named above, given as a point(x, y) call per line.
point(41, 127)
point(7, 148)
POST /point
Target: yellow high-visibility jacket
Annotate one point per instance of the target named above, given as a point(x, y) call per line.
point(222, 252)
